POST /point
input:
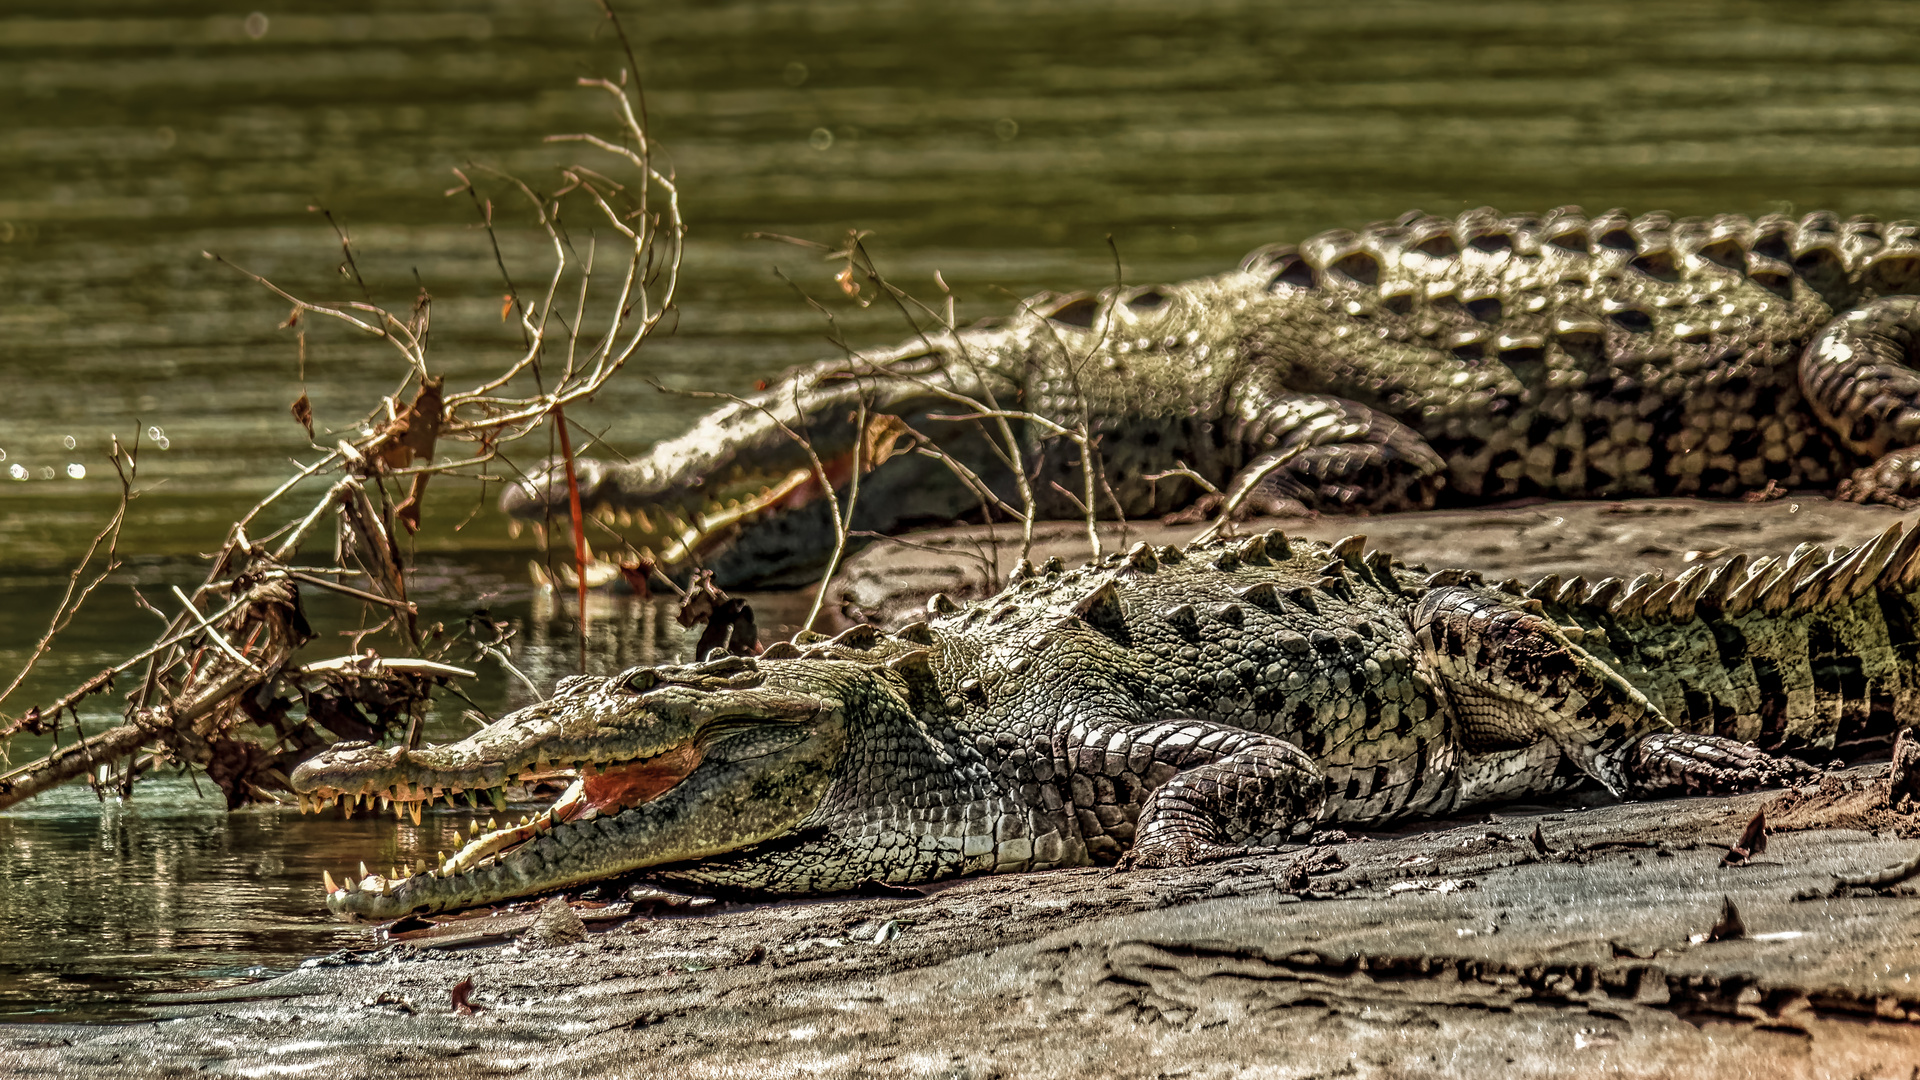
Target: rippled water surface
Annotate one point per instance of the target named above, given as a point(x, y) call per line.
point(998, 143)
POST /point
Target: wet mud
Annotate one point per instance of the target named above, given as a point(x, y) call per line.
point(1529, 942)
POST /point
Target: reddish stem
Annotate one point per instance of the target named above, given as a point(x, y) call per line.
point(579, 527)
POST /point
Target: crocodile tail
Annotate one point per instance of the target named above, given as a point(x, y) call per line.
point(1816, 651)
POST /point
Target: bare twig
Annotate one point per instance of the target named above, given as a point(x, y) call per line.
point(208, 675)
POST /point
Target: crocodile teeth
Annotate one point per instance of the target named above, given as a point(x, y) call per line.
point(326, 878)
point(714, 518)
point(414, 811)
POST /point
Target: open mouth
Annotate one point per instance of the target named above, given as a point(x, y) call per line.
point(671, 536)
point(596, 790)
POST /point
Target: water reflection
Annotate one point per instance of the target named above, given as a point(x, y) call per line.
point(104, 900)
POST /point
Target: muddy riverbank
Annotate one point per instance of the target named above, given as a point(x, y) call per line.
point(1450, 949)
point(1530, 942)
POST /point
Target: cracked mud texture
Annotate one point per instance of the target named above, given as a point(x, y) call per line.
point(1452, 948)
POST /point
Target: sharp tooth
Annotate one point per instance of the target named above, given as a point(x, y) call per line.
point(327, 878)
point(625, 519)
point(493, 825)
point(363, 871)
point(473, 798)
point(473, 828)
point(393, 873)
point(346, 808)
point(384, 803)
point(514, 526)
point(539, 533)
point(499, 799)
point(415, 807)
point(440, 857)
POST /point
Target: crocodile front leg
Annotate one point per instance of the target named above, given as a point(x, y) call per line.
point(1186, 791)
point(1326, 453)
point(1859, 376)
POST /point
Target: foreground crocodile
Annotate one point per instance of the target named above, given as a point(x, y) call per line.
point(1165, 707)
point(1480, 358)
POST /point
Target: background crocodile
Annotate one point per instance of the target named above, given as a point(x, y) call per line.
point(1165, 708)
point(1480, 358)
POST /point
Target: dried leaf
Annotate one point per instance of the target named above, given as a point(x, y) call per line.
point(883, 431)
point(635, 573)
point(293, 319)
point(1753, 841)
point(461, 1006)
point(1730, 926)
point(506, 306)
point(303, 412)
point(847, 284)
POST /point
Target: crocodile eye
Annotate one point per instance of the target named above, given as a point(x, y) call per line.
point(640, 680)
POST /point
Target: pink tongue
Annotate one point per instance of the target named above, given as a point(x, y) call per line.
point(643, 781)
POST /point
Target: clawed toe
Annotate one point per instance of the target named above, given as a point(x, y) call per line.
point(1675, 763)
point(1193, 853)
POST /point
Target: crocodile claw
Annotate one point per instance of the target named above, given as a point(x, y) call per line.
point(1675, 763)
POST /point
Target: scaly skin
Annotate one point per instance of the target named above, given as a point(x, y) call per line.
point(1480, 358)
point(1163, 708)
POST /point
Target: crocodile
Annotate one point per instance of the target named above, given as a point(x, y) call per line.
point(1425, 360)
point(1162, 707)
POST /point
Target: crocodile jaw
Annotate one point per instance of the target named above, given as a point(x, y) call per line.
point(707, 773)
point(691, 495)
point(721, 806)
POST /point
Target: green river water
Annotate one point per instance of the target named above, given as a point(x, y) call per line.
point(999, 143)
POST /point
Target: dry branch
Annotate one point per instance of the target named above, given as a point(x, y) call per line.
point(223, 666)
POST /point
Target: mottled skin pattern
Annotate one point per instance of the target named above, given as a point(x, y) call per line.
point(1166, 707)
point(1478, 358)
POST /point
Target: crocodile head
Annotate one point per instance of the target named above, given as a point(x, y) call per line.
point(741, 488)
point(670, 764)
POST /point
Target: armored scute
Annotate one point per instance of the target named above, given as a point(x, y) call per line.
point(1160, 708)
point(1425, 360)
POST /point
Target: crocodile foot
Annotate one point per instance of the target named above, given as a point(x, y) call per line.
point(1893, 480)
point(1675, 763)
point(1173, 851)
